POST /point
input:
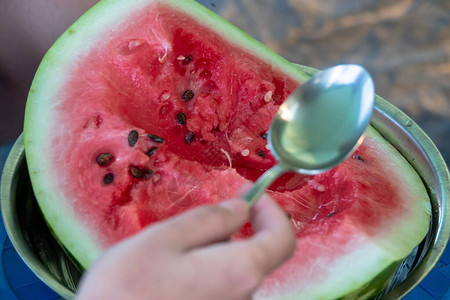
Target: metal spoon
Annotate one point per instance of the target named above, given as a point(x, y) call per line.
point(319, 125)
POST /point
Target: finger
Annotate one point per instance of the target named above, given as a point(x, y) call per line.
point(244, 189)
point(225, 265)
point(274, 241)
point(204, 225)
point(243, 264)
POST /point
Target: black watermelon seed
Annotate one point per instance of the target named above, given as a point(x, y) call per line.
point(187, 60)
point(108, 179)
point(358, 157)
point(260, 153)
point(189, 137)
point(148, 173)
point(264, 135)
point(155, 138)
point(187, 95)
point(181, 118)
point(332, 214)
point(133, 137)
point(104, 159)
point(151, 151)
point(137, 172)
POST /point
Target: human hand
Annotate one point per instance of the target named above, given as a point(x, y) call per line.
point(191, 256)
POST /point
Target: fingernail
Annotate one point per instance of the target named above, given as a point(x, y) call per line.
point(234, 205)
point(244, 189)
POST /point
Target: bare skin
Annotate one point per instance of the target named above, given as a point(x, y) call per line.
point(191, 256)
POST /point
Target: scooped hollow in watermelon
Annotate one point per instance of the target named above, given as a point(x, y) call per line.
point(144, 109)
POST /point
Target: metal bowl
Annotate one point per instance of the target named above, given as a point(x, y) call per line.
point(28, 231)
point(47, 259)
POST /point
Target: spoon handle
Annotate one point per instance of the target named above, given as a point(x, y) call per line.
point(262, 183)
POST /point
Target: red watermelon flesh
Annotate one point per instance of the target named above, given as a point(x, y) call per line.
point(141, 84)
point(149, 117)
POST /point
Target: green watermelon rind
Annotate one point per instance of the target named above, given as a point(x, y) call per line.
point(375, 286)
point(40, 118)
point(373, 265)
point(369, 290)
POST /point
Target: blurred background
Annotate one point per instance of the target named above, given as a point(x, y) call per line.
point(404, 44)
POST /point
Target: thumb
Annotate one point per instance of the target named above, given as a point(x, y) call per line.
point(205, 225)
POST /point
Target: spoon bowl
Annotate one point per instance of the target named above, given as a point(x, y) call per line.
point(320, 124)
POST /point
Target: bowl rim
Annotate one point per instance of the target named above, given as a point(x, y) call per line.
point(440, 209)
point(10, 176)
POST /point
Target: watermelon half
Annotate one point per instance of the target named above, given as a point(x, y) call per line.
point(143, 109)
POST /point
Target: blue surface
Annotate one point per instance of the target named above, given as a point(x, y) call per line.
point(17, 282)
point(436, 285)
